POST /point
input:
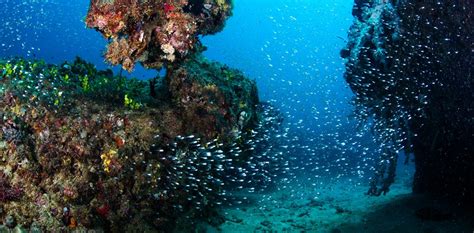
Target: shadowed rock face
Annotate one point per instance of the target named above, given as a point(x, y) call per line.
point(410, 65)
point(155, 32)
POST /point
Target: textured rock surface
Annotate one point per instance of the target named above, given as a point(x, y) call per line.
point(410, 64)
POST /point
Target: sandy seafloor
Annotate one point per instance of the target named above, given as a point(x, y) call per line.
point(343, 207)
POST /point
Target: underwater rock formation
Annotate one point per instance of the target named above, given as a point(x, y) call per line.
point(410, 65)
point(155, 32)
point(84, 149)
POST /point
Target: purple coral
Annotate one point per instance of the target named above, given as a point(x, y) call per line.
point(7, 191)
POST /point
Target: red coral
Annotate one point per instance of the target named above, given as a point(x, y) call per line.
point(103, 210)
point(168, 8)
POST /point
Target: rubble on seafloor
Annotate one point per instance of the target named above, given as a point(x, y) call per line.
point(155, 32)
point(84, 149)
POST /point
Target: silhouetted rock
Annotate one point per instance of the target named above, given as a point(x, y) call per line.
point(410, 65)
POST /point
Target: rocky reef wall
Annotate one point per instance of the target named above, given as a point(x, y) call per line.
point(410, 65)
point(84, 149)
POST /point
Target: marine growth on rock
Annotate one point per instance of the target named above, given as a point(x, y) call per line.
point(155, 33)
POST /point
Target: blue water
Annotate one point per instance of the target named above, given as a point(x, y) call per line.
point(292, 49)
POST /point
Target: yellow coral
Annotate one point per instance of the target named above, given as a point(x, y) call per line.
point(242, 104)
point(17, 110)
point(107, 159)
point(221, 3)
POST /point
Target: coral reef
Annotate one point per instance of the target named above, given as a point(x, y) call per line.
point(409, 64)
point(155, 32)
point(84, 149)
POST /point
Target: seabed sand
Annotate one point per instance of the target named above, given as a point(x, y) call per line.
point(341, 207)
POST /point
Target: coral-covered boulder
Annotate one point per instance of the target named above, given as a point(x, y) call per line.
point(155, 32)
point(84, 149)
